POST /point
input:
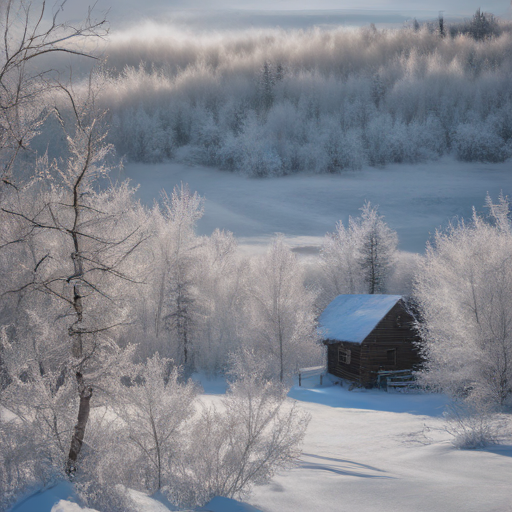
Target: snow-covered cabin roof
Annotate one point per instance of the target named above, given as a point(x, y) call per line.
point(353, 317)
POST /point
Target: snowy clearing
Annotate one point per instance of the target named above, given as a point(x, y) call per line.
point(414, 199)
point(377, 451)
point(364, 450)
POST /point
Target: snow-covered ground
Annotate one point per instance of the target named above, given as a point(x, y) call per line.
point(414, 199)
point(365, 450)
point(373, 451)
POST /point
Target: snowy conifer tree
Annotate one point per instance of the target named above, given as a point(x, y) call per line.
point(377, 248)
point(358, 258)
point(175, 265)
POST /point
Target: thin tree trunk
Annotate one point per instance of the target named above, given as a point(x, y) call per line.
point(281, 362)
point(157, 447)
point(85, 393)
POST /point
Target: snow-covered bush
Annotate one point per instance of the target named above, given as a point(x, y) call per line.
point(255, 433)
point(153, 408)
point(21, 468)
point(472, 425)
point(157, 436)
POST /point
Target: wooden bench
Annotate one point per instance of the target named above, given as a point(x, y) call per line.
point(312, 372)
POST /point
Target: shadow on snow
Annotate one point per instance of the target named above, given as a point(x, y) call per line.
point(341, 467)
point(423, 404)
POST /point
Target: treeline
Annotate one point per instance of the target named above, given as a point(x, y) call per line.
point(278, 102)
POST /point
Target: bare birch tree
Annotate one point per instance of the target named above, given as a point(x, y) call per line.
point(81, 239)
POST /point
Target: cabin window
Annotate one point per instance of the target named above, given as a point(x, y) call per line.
point(343, 355)
point(391, 356)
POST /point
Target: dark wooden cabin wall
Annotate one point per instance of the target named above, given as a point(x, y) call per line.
point(394, 331)
point(344, 371)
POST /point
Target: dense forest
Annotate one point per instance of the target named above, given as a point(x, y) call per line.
point(275, 102)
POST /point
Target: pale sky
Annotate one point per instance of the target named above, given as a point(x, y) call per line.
point(129, 12)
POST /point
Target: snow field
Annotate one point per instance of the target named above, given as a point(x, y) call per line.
point(380, 460)
point(415, 200)
point(365, 450)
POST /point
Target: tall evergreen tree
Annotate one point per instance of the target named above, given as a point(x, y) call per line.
point(377, 248)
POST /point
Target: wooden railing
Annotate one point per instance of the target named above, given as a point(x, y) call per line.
point(312, 372)
point(396, 379)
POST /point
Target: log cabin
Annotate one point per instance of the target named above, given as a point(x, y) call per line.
point(365, 334)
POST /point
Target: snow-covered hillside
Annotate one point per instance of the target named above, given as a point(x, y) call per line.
point(414, 199)
point(367, 451)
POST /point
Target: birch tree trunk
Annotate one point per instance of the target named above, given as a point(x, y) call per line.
point(85, 393)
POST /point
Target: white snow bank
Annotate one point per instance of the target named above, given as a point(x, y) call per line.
point(380, 461)
point(63, 498)
point(46, 499)
point(69, 506)
point(219, 504)
point(353, 317)
point(145, 503)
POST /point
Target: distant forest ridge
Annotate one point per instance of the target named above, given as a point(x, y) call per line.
point(275, 102)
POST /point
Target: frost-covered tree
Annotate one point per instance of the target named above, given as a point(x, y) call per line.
point(481, 26)
point(153, 407)
point(331, 110)
point(174, 275)
point(73, 266)
point(465, 294)
point(28, 38)
point(39, 407)
point(222, 279)
point(283, 312)
point(358, 258)
point(340, 261)
point(377, 248)
point(267, 82)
